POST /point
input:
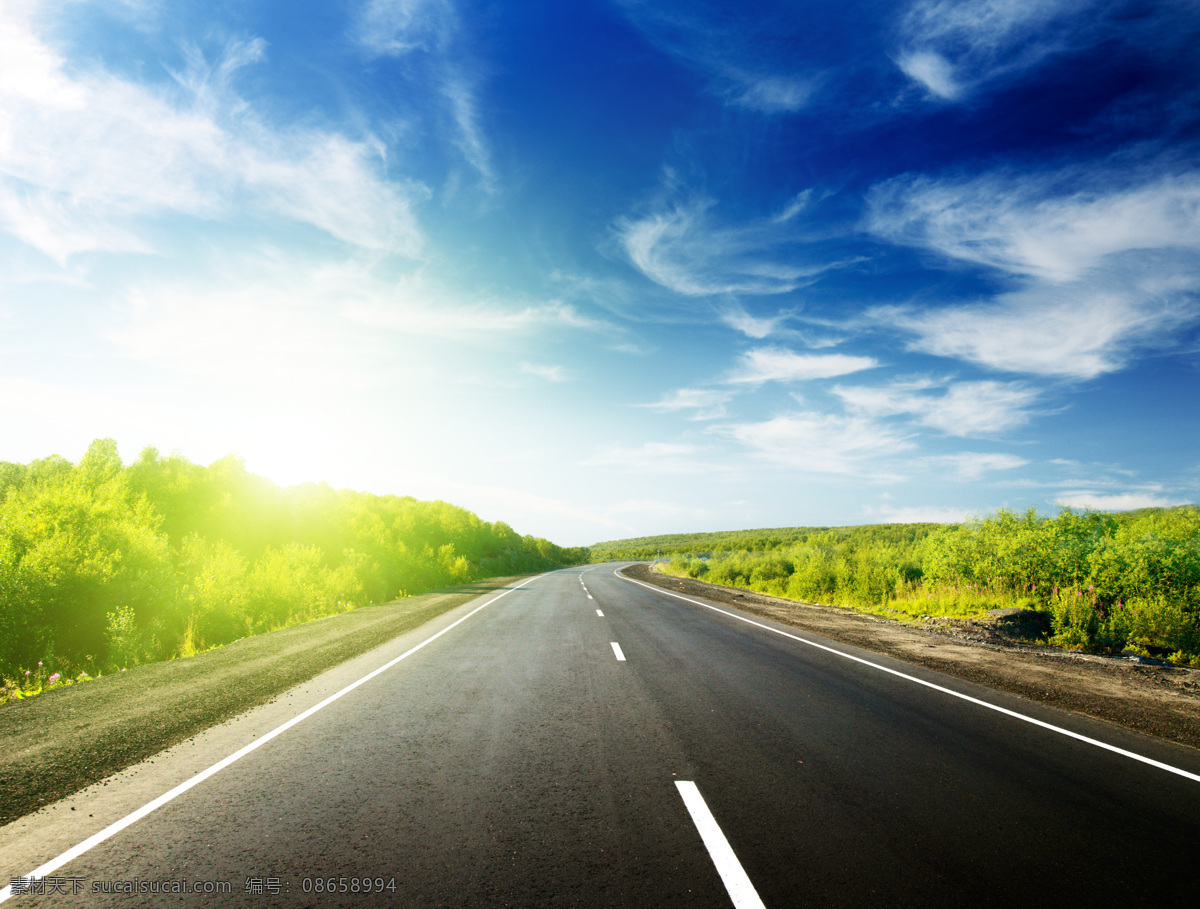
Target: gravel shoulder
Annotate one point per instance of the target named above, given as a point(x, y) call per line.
point(64, 740)
point(1158, 700)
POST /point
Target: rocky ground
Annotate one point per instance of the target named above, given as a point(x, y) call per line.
point(1146, 695)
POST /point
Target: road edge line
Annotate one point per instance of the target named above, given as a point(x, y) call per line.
point(133, 817)
point(912, 678)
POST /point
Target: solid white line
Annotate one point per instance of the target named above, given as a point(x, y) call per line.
point(599, 613)
point(617, 651)
point(117, 826)
point(741, 891)
point(966, 697)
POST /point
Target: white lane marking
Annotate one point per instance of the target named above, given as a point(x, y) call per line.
point(741, 891)
point(912, 678)
point(117, 826)
point(617, 651)
point(590, 597)
point(599, 613)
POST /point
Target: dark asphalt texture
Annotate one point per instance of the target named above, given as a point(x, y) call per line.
point(516, 762)
point(63, 740)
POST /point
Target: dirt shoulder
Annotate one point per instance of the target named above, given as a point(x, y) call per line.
point(64, 740)
point(1158, 700)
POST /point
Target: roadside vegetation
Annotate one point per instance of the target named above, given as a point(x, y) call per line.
point(1104, 582)
point(104, 566)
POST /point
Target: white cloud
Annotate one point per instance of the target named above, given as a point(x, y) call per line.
point(955, 47)
point(85, 156)
point(747, 54)
point(1080, 331)
point(820, 443)
point(705, 403)
point(962, 409)
point(777, 364)
point(272, 321)
point(1105, 263)
point(542, 371)
point(679, 245)
point(408, 309)
point(757, 327)
point(1054, 226)
point(465, 108)
point(400, 28)
point(655, 458)
point(1082, 498)
point(770, 94)
point(932, 71)
point(397, 27)
point(973, 465)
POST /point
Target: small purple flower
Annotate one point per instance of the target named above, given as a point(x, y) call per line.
point(54, 678)
point(39, 664)
point(26, 673)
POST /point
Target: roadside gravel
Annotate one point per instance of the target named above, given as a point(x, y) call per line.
point(1158, 700)
point(64, 740)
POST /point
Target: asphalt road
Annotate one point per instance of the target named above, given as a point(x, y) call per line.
point(517, 761)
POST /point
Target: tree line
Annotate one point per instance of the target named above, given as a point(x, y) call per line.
point(1104, 581)
point(106, 565)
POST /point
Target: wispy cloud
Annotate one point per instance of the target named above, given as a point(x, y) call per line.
point(1078, 331)
point(397, 27)
point(416, 305)
point(276, 321)
point(735, 316)
point(1053, 226)
point(674, 458)
point(680, 244)
point(1105, 264)
point(745, 55)
point(465, 108)
point(432, 29)
point(704, 403)
point(778, 364)
point(955, 408)
point(98, 155)
point(973, 465)
point(550, 373)
point(768, 93)
point(955, 47)
point(813, 442)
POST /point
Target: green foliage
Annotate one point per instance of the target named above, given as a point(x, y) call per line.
point(1105, 581)
point(106, 565)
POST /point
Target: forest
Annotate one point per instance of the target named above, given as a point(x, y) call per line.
point(1105, 582)
point(104, 565)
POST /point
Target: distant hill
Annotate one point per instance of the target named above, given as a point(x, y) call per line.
point(758, 540)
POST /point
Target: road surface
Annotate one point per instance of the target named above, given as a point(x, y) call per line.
point(533, 755)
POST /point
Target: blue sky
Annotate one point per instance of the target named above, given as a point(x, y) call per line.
point(611, 268)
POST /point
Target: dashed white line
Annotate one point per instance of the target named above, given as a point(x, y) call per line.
point(617, 650)
point(116, 827)
point(599, 613)
point(912, 678)
point(737, 882)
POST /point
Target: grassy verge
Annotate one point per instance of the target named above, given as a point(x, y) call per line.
point(70, 737)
